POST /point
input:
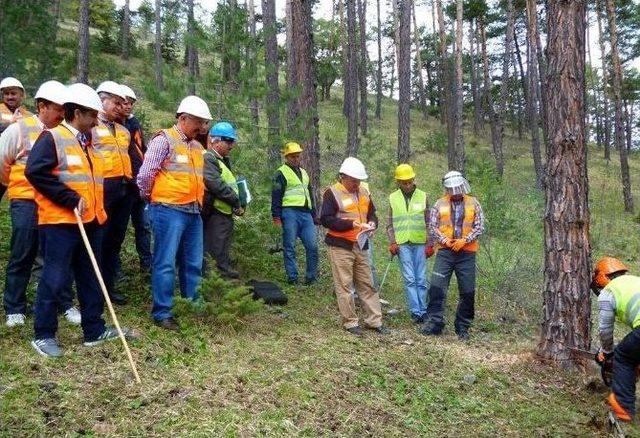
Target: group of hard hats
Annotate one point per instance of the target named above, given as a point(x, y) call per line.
point(453, 181)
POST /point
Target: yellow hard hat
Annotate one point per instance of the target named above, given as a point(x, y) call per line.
point(404, 172)
point(291, 148)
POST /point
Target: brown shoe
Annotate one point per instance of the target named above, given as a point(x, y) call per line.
point(168, 323)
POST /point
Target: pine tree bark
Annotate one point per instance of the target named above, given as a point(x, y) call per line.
point(567, 308)
point(363, 62)
point(477, 105)
point(404, 80)
point(83, 43)
point(126, 23)
point(302, 27)
point(158, 46)
point(532, 102)
point(379, 70)
point(422, 99)
point(191, 49)
point(272, 68)
point(352, 87)
point(255, 113)
point(345, 59)
point(605, 82)
point(457, 154)
point(541, 87)
point(442, 64)
point(617, 100)
point(292, 65)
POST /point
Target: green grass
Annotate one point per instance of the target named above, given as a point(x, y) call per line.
point(294, 372)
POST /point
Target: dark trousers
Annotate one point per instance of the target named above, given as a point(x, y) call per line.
point(63, 251)
point(464, 265)
point(142, 230)
point(626, 359)
point(218, 234)
point(118, 199)
point(23, 254)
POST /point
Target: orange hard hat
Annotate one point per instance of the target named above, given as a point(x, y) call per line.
point(605, 267)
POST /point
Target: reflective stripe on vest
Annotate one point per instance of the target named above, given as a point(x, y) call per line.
point(19, 188)
point(447, 227)
point(6, 115)
point(179, 180)
point(228, 178)
point(409, 224)
point(351, 206)
point(80, 175)
point(626, 291)
point(296, 193)
point(114, 149)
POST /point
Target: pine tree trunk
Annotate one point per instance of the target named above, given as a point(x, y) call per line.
point(158, 46)
point(618, 116)
point(521, 92)
point(628, 117)
point(566, 313)
point(191, 49)
point(379, 71)
point(442, 63)
point(541, 86)
point(474, 82)
point(352, 88)
point(255, 114)
point(292, 65)
point(302, 27)
point(532, 103)
point(126, 23)
point(362, 65)
point(404, 80)
point(83, 43)
point(271, 69)
point(345, 59)
point(457, 156)
point(605, 82)
point(422, 100)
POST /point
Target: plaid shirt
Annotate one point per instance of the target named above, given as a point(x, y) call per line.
point(456, 217)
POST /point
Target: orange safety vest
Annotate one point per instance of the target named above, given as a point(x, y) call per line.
point(179, 181)
point(76, 172)
point(443, 205)
point(351, 206)
point(30, 129)
point(114, 149)
point(6, 115)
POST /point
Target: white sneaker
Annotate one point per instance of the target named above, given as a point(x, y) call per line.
point(15, 319)
point(73, 315)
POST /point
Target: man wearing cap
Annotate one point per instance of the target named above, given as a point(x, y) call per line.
point(171, 180)
point(11, 108)
point(347, 211)
point(407, 233)
point(456, 221)
point(66, 174)
point(137, 149)
point(292, 209)
point(111, 141)
point(15, 144)
point(221, 199)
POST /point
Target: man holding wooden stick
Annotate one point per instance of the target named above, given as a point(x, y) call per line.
point(66, 174)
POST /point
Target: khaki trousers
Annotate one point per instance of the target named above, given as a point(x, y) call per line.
point(351, 267)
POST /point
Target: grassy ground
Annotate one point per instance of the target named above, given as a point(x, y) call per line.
point(293, 371)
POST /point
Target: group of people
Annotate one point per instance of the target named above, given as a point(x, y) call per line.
point(81, 158)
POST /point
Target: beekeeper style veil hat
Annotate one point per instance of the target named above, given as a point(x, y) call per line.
point(455, 184)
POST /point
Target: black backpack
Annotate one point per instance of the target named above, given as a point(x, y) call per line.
point(269, 292)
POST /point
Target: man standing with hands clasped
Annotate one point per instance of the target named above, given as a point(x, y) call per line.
point(456, 222)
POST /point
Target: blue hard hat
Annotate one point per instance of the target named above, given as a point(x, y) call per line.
point(225, 130)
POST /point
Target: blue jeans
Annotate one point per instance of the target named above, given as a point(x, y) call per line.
point(63, 251)
point(413, 265)
point(142, 229)
point(298, 223)
point(177, 239)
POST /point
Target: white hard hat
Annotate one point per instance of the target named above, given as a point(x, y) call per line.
point(195, 106)
point(111, 88)
point(84, 95)
point(128, 92)
point(354, 168)
point(10, 82)
point(53, 91)
point(455, 183)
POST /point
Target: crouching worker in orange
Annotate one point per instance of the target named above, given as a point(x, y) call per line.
point(619, 298)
